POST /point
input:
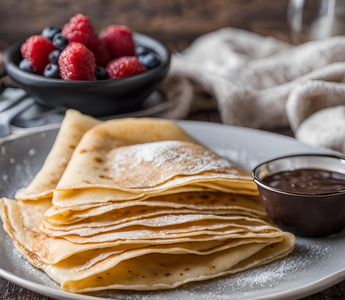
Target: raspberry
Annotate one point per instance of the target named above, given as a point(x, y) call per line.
point(79, 29)
point(77, 62)
point(36, 49)
point(124, 66)
point(119, 40)
point(101, 53)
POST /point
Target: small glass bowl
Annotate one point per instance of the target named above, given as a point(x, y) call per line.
point(312, 215)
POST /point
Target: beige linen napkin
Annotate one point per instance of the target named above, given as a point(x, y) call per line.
point(316, 111)
point(249, 78)
point(324, 129)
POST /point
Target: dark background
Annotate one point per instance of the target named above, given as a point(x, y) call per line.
point(168, 20)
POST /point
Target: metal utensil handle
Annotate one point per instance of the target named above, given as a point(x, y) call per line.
point(15, 110)
point(7, 104)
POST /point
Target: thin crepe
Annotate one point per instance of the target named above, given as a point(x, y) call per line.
point(166, 225)
point(94, 197)
point(204, 201)
point(103, 269)
point(125, 162)
point(22, 221)
point(151, 167)
point(141, 212)
point(74, 126)
point(153, 269)
point(72, 129)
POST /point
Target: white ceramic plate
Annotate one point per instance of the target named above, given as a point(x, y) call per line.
point(314, 265)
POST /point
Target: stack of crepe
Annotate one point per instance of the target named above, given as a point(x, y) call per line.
point(139, 205)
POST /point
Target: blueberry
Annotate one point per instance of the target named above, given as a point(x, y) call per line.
point(101, 73)
point(50, 31)
point(53, 56)
point(150, 60)
point(51, 71)
point(60, 41)
point(140, 50)
point(25, 65)
point(140, 57)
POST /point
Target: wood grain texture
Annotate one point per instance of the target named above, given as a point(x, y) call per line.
point(168, 18)
point(10, 291)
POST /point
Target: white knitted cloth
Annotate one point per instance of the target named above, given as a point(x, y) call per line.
point(256, 81)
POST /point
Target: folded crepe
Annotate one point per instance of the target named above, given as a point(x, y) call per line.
point(71, 131)
point(139, 205)
point(102, 156)
point(75, 125)
point(146, 169)
point(140, 260)
point(65, 218)
point(100, 177)
point(132, 174)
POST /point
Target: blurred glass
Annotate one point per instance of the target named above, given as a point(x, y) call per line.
point(315, 19)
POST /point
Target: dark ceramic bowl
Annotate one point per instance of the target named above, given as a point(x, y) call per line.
point(312, 215)
point(97, 98)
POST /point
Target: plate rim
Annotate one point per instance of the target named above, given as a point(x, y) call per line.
point(148, 112)
point(296, 293)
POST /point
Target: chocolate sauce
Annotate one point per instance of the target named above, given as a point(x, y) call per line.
point(308, 181)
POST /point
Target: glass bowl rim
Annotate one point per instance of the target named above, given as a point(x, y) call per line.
point(306, 195)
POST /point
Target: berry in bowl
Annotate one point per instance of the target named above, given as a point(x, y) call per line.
point(97, 74)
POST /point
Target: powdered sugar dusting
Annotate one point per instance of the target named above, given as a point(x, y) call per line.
point(169, 153)
point(303, 257)
point(149, 165)
point(22, 170)
point(313, 259)
point(309, 256)
point(20, 266)
point(277, 276)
